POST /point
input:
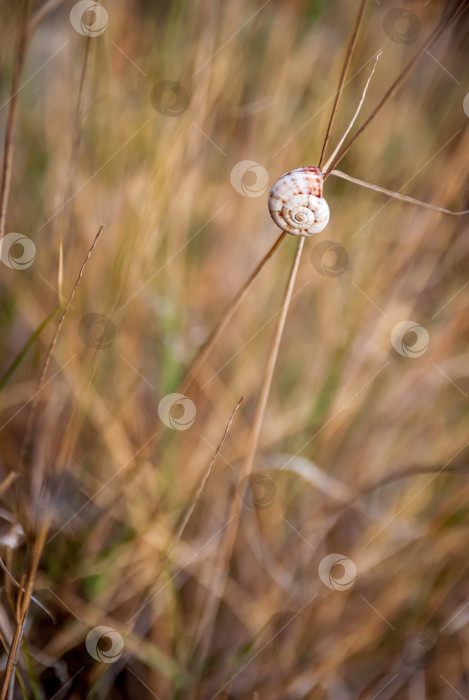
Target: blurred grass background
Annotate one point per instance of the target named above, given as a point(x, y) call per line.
point(363, 451)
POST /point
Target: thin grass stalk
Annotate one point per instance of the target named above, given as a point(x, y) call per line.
point(445, 23)
point(225, 319)
point(343, 75)
point(26, 447)
point(211, 609)
point(7, 162)
point(12, 579)
point(23, 602)
point(199, 491)
point(396, 195)
point(9, 372)
point(357, 112)
point(270, 367)
point(76, 137)
point(190, 377)
point(195, 499)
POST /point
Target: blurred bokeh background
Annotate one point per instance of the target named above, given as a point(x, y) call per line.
point(136, 115)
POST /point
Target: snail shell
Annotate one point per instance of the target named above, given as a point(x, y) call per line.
point(296, 203)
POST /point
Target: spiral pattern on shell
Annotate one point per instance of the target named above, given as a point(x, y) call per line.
point(296, 203)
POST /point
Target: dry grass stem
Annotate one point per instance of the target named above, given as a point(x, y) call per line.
point(7, 158)
point(343, 75)
point(396, 195)
point(447, 21)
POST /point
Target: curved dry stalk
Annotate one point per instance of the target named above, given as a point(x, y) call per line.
point(348, 58)
point(396, 195)
point(445, 23)
point(11, 119)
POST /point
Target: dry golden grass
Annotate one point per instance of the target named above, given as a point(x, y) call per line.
point(363, 452)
